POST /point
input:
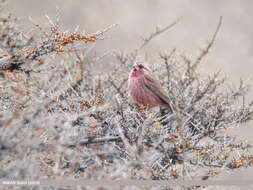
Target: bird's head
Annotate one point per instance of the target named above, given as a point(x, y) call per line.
point(139, 68)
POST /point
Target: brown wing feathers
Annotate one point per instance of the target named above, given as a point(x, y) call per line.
point(153, 85)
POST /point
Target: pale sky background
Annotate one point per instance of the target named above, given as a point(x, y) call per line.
point(232, 51)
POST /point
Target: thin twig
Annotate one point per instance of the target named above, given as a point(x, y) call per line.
point(156, 33)
point(210, 44)
point(94, 139)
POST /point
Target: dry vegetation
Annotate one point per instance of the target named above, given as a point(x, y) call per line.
point(60, 119)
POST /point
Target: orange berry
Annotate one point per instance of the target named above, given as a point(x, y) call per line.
point(174, 173)
point(174, 139)
point(239, 163)
point(53, 30)
point(138, 168)
point(227, 155)
point(178, 150)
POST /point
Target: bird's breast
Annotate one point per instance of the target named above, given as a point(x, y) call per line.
point(139, 91)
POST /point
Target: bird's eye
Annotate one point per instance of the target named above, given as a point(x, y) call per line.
point(141, 66)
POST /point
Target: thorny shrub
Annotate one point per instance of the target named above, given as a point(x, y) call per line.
point(60, 119)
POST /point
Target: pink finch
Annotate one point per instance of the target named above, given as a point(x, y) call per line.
point(145, 88)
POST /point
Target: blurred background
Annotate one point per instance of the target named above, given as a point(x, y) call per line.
point(232, 52)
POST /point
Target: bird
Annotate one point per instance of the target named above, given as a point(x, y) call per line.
point(145, 89)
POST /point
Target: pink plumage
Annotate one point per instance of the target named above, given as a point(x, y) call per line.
point(145, 89)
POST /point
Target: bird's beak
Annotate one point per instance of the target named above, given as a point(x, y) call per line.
point(136, 67)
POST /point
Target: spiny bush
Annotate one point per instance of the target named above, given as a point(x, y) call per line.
point(59, 118)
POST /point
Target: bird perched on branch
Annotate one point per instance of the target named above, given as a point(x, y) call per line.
point(145, 89)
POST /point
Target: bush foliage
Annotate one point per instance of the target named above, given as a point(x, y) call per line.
point(59, 118)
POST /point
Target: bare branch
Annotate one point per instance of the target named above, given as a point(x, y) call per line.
point(94, 139)
point(157, 32)
point(210, 44)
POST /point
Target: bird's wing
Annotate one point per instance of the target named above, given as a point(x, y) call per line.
point(153, 85)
